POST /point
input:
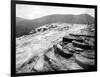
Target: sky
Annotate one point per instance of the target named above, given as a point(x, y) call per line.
point(36, 11)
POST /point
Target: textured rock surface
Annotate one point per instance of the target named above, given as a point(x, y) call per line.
point(56, 50)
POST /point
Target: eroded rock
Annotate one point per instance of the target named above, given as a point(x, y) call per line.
point(84, 62)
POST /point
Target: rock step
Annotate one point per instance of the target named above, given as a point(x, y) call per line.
point(73, 49)
point(84, 35)
point(59, 63)
point(77, 50)
point(53, 62)
point(82, 45)
point(61, 52)
point(89, 54)
point(67, 39)
point(84, 62)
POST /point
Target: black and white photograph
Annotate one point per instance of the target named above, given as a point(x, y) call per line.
point(55, 38)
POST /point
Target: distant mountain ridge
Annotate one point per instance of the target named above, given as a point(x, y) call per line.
point(18, 19)
point(23, 26)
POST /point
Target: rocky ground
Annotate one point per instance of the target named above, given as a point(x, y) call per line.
point(64, 47)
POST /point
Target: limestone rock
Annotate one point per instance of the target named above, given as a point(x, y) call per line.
point(84, 62)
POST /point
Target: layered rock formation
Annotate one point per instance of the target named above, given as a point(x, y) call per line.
point(72, 51)
point(83, 50)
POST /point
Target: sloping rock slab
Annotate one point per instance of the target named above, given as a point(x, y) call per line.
point(89, 54)
point(84, 62)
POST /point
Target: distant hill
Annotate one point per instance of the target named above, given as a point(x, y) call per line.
point(23, 26)
point(18, 19)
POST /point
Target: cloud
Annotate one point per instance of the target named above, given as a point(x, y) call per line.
point(36, 11)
